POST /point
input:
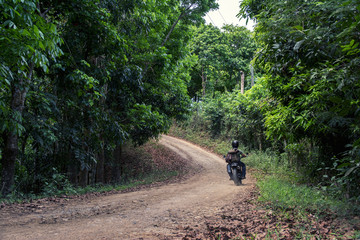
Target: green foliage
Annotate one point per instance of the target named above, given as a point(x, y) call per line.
point(309, 53)
point(343, 177)
point(233, 115)
point(87, 77)
point(222, 55)
point(27, 41)
point(146, 123)
point(57, 185)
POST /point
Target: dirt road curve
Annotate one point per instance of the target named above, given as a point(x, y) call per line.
point(156, 213)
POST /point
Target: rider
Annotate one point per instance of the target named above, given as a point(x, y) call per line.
point(235, 145)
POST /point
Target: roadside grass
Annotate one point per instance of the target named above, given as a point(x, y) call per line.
point(285, 195)
point(281, 188)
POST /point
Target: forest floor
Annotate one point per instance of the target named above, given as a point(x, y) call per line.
point(203, 204)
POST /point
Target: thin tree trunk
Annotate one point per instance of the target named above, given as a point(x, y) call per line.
point(183, 13)
point(260, 142)
point(8, 163)
point(83, 177)
point(72, 168)
point(172, 28)
point(100, 166)
point(252, 75)
point(242, 82)
point(203, 78)
point(11, 139)
point(116, 171)
point(174, 25)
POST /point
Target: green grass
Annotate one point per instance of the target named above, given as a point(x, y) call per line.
point(286, 195)
point(268, 162)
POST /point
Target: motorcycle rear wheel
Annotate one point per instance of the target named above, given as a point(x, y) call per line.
point(235, 177)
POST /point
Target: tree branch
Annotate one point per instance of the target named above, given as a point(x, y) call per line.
point(43, 15)
point(175, 23)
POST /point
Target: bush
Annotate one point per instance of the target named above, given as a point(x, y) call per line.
point(58, 184)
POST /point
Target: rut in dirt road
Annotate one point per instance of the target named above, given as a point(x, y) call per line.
point(157, 213)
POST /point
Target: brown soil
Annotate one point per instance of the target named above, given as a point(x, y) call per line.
point(205, 205)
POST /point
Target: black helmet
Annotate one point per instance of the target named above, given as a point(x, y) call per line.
point(235, 144)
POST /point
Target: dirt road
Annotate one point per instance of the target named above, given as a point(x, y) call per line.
point(156, 213)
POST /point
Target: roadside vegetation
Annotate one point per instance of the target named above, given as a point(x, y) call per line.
point(144, 166)
point(81, 80)
point(284, 192)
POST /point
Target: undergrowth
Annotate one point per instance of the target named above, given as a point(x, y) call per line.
point(149, 168)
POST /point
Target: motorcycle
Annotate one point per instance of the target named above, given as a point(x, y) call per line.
point(236, 172)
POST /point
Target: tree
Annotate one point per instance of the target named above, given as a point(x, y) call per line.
point(119, 75)
point(222, 55)
point(310, 50)
point(28, 42)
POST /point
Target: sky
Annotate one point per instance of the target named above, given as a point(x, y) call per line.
point(226, 14)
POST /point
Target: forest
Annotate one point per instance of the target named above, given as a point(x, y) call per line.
point(81, 79)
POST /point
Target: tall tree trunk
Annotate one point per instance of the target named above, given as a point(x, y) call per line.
point(100, 166)
point(116, 171)
point(72, 168)
point(8, 162)
point(252, 75)
point(83, 177)
point(242, 82)
point(11, 149)
point(11, 139)
point(259, 141)
point(183, 13)
point(203, 78)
